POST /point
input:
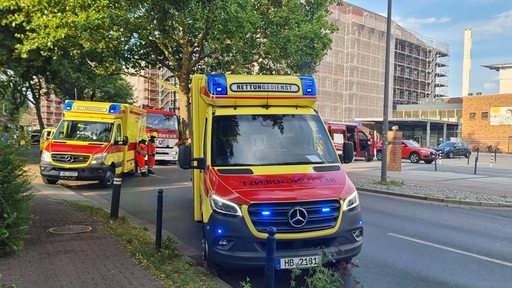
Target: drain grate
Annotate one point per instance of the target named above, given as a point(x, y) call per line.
point(70, 229)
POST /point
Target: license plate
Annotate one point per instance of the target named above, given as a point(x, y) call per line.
point(299, 262)
point(68, 173)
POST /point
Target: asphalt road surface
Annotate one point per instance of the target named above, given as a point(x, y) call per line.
point(407, 243)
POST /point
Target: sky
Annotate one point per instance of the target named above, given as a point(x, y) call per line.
point(445, 20)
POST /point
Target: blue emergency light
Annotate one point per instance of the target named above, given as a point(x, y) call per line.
point(217, 84)
point(308, 85)
point(68, 106)
point(114, 108)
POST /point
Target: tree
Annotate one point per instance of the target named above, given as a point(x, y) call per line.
point(32, 71)
point(185, 37)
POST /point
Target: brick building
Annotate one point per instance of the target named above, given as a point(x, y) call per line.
point(484, 121)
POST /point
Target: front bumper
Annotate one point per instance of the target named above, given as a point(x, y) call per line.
point(166, 154)
point(87, 173)
point(232, 244)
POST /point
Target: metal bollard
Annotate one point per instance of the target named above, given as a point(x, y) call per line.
point(116, 197)
point(270, 258)
point(492, 160)
point(476, 161)
point(159, 207)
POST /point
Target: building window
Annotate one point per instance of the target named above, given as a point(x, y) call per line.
point(485, 115)
point(472, 116)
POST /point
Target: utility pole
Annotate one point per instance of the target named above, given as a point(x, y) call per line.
point(384, 163)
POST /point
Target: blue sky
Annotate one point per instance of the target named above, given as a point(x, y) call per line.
point(445, 20)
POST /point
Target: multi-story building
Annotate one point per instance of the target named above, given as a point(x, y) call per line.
point(51, 111)
point(487, 122)
point(151, 93)
point(351, 76)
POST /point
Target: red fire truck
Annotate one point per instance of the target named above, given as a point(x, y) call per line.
point(351, 142)
point(165, 123)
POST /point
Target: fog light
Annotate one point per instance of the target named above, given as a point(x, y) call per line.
point(223, 242)
point(358, 234)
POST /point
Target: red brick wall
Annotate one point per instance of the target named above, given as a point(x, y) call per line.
point(478, 131)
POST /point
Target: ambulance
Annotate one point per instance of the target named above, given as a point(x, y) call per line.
point(262, 157)
point(94, 141)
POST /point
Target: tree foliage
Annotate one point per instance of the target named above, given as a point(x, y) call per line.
point(15, 196)
point(44, 64)
point(185, 37)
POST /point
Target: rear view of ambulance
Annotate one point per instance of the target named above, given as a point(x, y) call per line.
point(262, 157)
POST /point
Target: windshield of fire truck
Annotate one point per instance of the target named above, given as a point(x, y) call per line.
point(245, 140)
point(162, 121)
point(84, 131)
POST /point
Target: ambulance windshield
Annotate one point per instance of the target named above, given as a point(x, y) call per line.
point(256, 140)
point(84, 131)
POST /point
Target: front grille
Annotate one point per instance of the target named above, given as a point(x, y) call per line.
point(70, 159)
point(321, 215)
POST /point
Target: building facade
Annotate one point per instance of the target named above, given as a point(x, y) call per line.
point(150, 92)
point(351, 76)
point(487, 122)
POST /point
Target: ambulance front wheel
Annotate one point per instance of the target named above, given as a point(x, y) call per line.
point(49, 181)
point(108, 180)
point(207, 262)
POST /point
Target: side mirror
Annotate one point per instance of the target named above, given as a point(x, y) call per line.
point(184, 155)
point(185, 159)
point(124, 142)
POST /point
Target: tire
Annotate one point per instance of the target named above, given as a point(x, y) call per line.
point(451, 154)
point(49, 181)
point(108, 179)
point(468, 154)
point(348, 152)
point(414, 157)
point(378, 154)
point(207, 262)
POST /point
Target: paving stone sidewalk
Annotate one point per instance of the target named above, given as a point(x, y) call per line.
point(70, 256)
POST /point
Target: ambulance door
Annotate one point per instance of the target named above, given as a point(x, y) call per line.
point(118, 151)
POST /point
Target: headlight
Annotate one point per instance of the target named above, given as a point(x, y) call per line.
point(45, 156)
point(98, 158)
point(352, 201)
point(224, 206)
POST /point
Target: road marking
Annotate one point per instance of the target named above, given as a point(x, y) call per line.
point(452, 249)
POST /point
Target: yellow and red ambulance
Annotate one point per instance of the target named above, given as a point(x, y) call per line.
point(262, 157)
point(94, 141)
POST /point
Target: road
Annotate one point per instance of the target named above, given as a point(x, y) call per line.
point(419, 244)
point(407, 243)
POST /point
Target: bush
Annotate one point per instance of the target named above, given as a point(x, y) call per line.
point(15, 196)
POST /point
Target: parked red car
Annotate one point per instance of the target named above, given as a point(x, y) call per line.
point(411, 150)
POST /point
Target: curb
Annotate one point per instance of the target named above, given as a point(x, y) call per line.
point(437, 199)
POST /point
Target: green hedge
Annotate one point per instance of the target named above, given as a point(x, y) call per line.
point(15, 196)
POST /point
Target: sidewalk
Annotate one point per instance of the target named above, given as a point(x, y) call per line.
point(67, 249)
point(80, 255)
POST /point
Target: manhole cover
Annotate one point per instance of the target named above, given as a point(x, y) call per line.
point(70, 229)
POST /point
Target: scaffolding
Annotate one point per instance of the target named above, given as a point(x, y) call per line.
point(351, 76)
point(155, 94)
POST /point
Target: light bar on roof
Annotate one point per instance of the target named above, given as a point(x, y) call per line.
point(308, 85)
point(217, 84)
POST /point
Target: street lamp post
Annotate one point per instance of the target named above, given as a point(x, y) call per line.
point(383, 170)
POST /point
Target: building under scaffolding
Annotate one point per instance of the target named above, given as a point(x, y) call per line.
point(351, 76)
point(151, 93)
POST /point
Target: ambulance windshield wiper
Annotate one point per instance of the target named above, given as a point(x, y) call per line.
point(300, 162)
